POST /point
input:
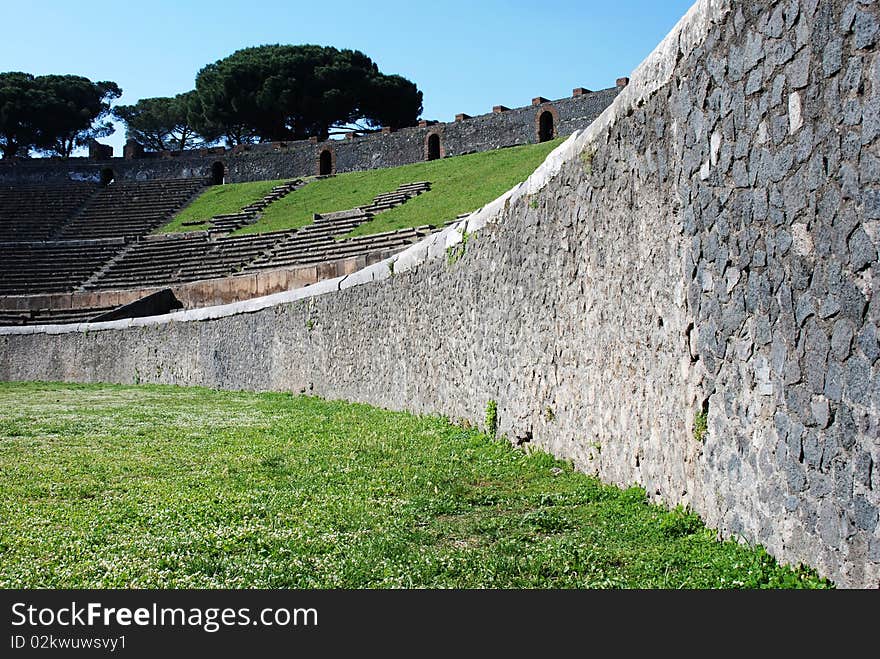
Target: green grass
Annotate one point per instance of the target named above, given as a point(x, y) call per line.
point(110, 486)
point(219, 200)
point(458, 185)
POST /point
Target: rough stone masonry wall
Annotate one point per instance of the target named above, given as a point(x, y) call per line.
point(709, 243)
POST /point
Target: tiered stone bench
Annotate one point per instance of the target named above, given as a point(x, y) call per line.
point(132, 261)
point(32, 213)
point(131, 208)
point(52, 266)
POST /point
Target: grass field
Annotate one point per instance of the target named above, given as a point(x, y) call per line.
point(459, 185)
point(109, 486)
point(219, 200)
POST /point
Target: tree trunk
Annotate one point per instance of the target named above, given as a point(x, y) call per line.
point(9, 150)
point(184, 135)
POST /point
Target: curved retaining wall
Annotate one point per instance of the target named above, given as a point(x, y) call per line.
point(710, 243)
point(200, 293)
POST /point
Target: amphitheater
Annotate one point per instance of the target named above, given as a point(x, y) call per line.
point(703, 244)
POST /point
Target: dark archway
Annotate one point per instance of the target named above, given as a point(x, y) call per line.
point(325, 163)
point(218, 173)
point(107, 176)
point(546, 130)
point(433, 147)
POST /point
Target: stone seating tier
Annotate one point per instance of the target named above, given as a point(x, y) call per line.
point(131, 208)
point(125, 211)
point(32, 213)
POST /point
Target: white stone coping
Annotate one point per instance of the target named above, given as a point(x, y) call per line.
point(651, 75)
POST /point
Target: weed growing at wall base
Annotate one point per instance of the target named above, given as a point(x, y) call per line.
point(492, 418)
point(165, 487)
point(680, 522)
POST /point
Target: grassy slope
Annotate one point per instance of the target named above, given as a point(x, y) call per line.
point(219, 200)
point(459, 185)
point(471, 183)
point(105, 486)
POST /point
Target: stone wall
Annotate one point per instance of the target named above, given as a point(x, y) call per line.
point(279, 160)
point(201, 293)
point(45, 170)
point(708, 245)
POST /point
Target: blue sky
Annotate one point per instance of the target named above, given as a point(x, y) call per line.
point(464, 56)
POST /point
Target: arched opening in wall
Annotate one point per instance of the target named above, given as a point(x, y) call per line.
point(433, 147)
point(325, 163)
point(218, 173)
point(545, 126)
point(107, 176)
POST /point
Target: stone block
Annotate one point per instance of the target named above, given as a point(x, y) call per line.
point(795, 113)
point(868, 342)
point(857, 372)
point(832, 56)
point(862, 251)
point(864, 513)
point(866, 28)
